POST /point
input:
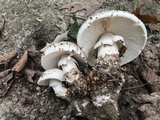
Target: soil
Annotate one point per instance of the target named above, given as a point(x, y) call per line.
point(29, 25)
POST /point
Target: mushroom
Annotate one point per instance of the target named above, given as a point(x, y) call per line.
point(65, 55)
point(110, 39)
point(54, 78)
point(112, 35)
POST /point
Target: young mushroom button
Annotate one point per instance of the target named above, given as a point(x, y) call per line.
point(65, 55)
point(112, 35)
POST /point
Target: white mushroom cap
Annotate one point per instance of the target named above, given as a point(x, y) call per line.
point(119, 23)
point(53, 53)
point(52, 74)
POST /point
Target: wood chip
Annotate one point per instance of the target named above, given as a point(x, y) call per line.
point(146, 18)
point(21, 63)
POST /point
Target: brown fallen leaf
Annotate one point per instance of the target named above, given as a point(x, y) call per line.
point(30, 74)
point(145, 18)
point(5, 81)
point(8, 58)
point(90, 7)
point(138, 9)
point(152, 79)
point(148, 19)
point(21, 63)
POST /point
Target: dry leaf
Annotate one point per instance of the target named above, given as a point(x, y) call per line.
point(5, 81)
point(8, 58)
point(90, 7)
point(21, 63)
point(148, 19)
point(138, 9)
point(30, 74)
point(150, 77)
point(145, 18)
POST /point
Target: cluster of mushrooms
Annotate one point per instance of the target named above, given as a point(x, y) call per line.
point(61, 61)
point(105, 41)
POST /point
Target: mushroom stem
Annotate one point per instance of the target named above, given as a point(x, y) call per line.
point(54, 78)
point(109, 44)
point(67, 63)
point(69, 67)
point(58, 88)
point(107, 49)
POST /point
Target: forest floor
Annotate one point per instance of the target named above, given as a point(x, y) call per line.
point(28, 25)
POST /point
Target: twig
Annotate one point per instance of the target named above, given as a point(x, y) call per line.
point(135, 86)
point(140, 85)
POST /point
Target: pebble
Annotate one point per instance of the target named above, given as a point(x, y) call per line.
point(38, 89)
point(22, 100)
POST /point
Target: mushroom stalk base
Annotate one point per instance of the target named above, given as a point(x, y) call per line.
point(107, 49)
point(100, 90)
point(105, 100)
point(69, 67)
point(72, 76)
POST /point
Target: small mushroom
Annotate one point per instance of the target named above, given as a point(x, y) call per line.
point(53, 78)
point(112, 35)
point(65, 55)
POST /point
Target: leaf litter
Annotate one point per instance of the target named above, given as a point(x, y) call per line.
point(74, 7)
point(30, 74)
point(151, 105)
point(150, 77)
point(8, 58)
point(145, 18)
point(70, 32)
point(21, 63)
point(7, 76)
point(6, 80)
